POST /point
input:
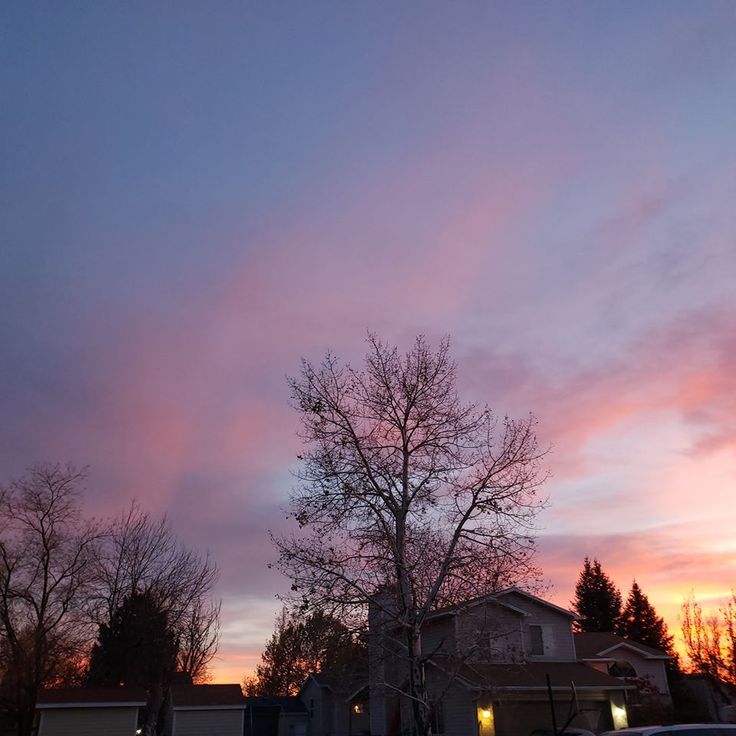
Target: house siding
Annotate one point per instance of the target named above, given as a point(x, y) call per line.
point(559, 645)
point(293, 724)
point(490, 633)
point(459, 713)
point(439, 635)
point(208, 722)
point(88, 721)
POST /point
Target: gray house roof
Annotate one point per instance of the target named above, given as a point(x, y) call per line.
point(603, 645)
point(91, 697)
point(206, 697)
point(533, 676)
point(284, 703)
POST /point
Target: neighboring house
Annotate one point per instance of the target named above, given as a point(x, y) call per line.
point(492, 665)
point(89, 711)
point(337, 704)
point(206, 710)
point(624, 659)
point(276, 716)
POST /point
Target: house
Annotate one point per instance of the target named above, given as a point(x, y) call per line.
point(496, 666)
point(276, 716)
point(89, 711)
point(337, 703)
point(624, 658)
point(206, 710)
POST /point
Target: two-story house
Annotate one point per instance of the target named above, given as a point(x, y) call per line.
point(495, 666)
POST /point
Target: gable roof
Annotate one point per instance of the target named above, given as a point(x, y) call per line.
point(497, 598)
point(340, 683)
point(537, 599)
point(91, 697)
point(285, 703)
point(603, 645)
point(206, 697)
point(533, 676)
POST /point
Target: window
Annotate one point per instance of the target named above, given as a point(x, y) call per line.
point(536, 640)
point(621, 668)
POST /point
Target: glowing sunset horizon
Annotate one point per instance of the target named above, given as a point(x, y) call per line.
point(195, 199)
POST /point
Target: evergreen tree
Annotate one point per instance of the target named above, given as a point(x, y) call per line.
point(597, 599)
point(137, 647)
point(640, 622)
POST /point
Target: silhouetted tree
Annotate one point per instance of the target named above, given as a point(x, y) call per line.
point(640, 622)
point(301, 645)
point(597, 599)
point(142, 555)
point(142, 562)
point(137, 648)
point(198, 636)
point(62, 577)
point(404, 487)
point(710, 640)
point(46, 551)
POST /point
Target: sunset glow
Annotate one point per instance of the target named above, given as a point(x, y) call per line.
point(196, 197)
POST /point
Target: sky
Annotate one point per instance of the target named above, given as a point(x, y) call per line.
point(194, 196)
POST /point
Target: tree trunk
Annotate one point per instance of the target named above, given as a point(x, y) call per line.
point(417, 684)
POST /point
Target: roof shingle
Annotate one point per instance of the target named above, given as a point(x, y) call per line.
point(206, 696)
point(91, 696)
point(590, 644)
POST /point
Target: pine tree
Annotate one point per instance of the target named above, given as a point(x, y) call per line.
point(137, 648)
point(597, 599)
point(640, 622)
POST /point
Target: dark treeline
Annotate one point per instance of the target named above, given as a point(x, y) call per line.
point(99, 603)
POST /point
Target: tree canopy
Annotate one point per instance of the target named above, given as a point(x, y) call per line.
point(710, 638)
point(137, 648)
point(639, 621)
point(46, 555)
point(65, 578)
point(301, 645)
point(597, 599)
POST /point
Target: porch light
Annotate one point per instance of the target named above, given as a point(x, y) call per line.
point(486, 725)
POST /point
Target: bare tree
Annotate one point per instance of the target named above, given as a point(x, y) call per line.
point(46, 551)
point(407, 489)
point(142, 555)
point(710, 639)
point(199, 633)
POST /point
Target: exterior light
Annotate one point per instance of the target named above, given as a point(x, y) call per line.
point(486, 722)
point(620, 719)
